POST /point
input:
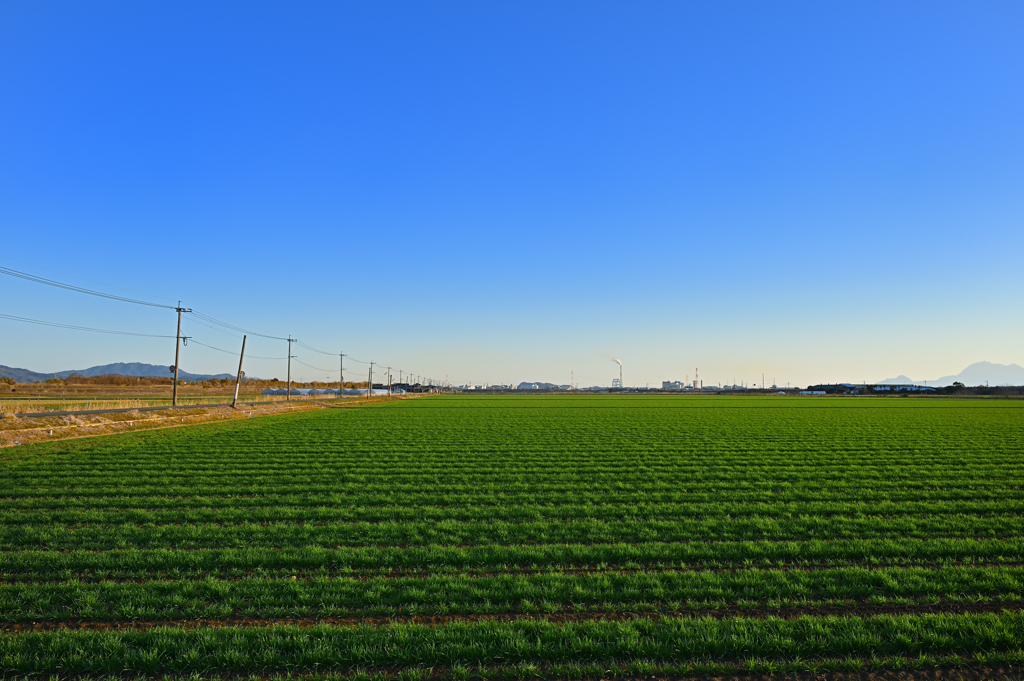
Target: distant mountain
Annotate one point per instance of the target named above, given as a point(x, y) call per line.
point(900, 380)
point(119, 368)
point(977, 374)
point(23, 375)
point(980, 372)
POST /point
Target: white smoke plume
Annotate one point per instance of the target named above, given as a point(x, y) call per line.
point(619, 362)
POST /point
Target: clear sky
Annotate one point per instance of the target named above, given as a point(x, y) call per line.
point(513, 191)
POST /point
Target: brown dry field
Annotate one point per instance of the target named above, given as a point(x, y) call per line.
point(15, 430)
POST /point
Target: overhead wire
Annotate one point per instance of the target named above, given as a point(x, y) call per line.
point(199, 317)
point(78, 289)
point(80, 328)
point(75, 276)
point(353, 359)
point(218, 330)
point(333, 354)
point(231, 352)
point(330, 371)
point(214, 320)
point(310, 347)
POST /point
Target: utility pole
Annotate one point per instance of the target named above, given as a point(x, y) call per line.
point(369, 387)
point(177, 349)
point(389, 381)
point(238, 380)
point(341, 375)
point(289, 395)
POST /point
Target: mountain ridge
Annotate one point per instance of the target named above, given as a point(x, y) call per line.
point(139, 369)
point(976, 374)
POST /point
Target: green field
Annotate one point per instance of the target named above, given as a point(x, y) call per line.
point(523, 537)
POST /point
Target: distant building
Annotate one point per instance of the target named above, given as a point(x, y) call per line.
point(673, 385)
point(902, 388)
point(836, 388)
point(616, 382)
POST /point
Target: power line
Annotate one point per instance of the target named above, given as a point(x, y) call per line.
point(214, 320)
point(75, 276)
point(80, 328)
point(230, 352)
point(310, 347)
point(359, 360)
point(78, 289)
point(313, 367)
point(333, 354)
point(218, 330)
point(204, 319)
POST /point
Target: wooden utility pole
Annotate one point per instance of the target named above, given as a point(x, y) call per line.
point(177, 356)
point(238, 380)
point(289, 395)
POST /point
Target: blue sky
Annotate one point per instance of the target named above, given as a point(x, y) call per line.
point(499, 192)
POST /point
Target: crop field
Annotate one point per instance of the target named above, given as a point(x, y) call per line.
point(494, 537)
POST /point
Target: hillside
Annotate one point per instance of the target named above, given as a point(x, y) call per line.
point(117, 368)
point(976, 374)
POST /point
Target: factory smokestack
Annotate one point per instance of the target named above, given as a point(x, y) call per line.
point(619, 362)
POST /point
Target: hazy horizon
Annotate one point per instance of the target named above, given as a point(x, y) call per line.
point(502, 193)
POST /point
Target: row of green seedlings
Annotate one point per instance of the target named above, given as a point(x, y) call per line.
point(476, 498)
point(292, 534)
point(134, 564)
point(621, 513)
point(341, 475)
point(503, 594)
point(992, 665)
point(234, 650)
point(474, 448)
point(270, 492)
